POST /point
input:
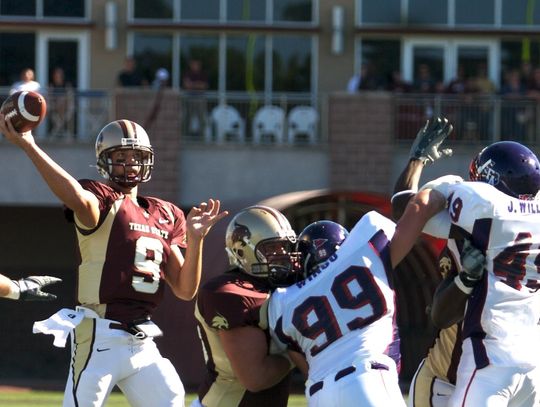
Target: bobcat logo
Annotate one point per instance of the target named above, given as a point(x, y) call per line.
point(445, 264)
point(240, 233)
point(220, 322)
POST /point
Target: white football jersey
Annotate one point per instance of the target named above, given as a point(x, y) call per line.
point(344, 312)
point(504, 308)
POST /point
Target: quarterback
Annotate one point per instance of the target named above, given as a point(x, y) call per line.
point(122, 269)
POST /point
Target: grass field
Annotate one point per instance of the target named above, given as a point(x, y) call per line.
point(30, 398)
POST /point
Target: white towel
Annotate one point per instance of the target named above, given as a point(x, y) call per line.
point(59, 325)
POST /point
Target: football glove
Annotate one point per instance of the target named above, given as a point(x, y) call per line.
point(428, 140)
point(472, 264)
point(30, 288)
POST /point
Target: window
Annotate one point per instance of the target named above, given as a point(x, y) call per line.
point(200, 10)
point(63, 8)
point(293, 10)
point(204, 49)
point(520, 12)
point(161, 9)
point(18, 7)
point(428, 12)
point(151, 53)
point(475, 12)
point(17, 51)
point(291, 61)
point(246, 10)
point(381, 12)
point(51, 8)
point(383, 56)
point(245, 63)
point(519, 54)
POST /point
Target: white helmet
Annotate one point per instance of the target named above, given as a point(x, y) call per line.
point(123, 135)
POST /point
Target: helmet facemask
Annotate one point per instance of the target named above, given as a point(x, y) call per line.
point(278, 261)
point(109, 168)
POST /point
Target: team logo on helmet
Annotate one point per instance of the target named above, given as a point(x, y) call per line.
point(240, 234)
point(488, 174)
point(220, 322)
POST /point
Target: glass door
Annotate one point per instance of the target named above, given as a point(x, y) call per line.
point(64, 72)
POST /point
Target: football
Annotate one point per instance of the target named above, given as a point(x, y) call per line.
point(26, 109)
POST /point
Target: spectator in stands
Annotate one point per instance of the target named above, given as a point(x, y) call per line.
point(424, 82)
point(514, 116)
point(129, 76)
point(396, 83)
point(61, 105)
point(458, 85)
point(366, 79)
point(161, 79)
point(27, 82)
point(195, 82)
point(526, 73)
point(354, 82)
point(481, 83)
point(533, 86)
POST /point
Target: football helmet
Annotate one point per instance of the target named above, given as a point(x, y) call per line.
point(260, 241)
point(124, 135)
point(510, 167)
point(317, 242)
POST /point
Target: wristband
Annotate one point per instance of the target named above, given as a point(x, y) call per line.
point(406, 191)
point(461, 286)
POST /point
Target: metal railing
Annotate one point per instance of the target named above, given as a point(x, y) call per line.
point(250, 118)
point(210, 118)
point(482, 119)
point(72, 115)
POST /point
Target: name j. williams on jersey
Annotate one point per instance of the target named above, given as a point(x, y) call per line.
point(138, 227)
point(524, 207)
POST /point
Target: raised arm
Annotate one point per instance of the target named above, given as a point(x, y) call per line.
point(425, 150)
point(184, 275)
point(420, 209)
point(66, 188)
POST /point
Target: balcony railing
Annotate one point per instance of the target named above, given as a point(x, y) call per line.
point(482, 119)
point(210, 118)
point(73, 115)
point(288, 119)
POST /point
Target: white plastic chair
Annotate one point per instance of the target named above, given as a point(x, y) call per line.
point(269, 121)
point(302, 121)
point(227, 122)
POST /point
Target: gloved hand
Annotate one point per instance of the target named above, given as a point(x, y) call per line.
point(472, 264)
point(30, 288)
point(428, 140)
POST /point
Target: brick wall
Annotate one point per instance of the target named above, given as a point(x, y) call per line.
point(360, 129)
point(160, 114)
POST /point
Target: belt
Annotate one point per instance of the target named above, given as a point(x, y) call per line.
point(315, 387)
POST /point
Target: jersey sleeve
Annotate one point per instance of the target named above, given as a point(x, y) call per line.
point(370, 224)
point(470, 201)
point(104, 194)
point(280, 342)
point(227, 310)
point(467, 202)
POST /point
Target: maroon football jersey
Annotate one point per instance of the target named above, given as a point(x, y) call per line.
point(233, 299)
point(122, 259)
